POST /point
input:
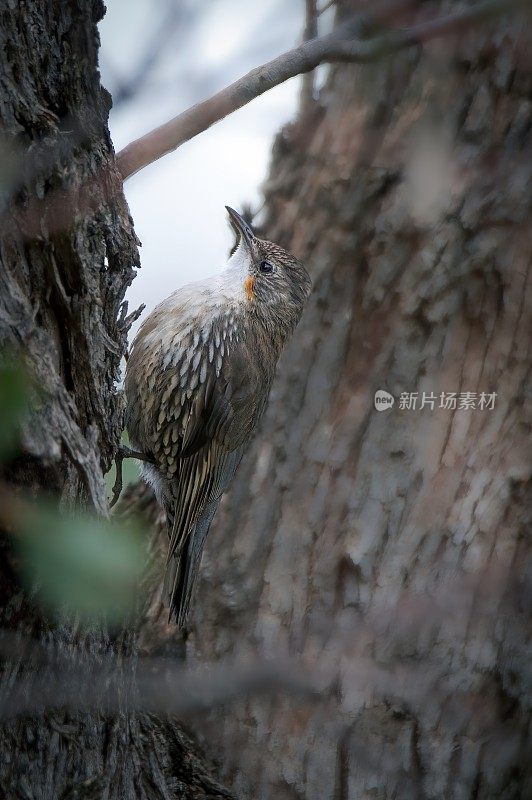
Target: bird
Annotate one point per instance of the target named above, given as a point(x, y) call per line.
point(197, 382)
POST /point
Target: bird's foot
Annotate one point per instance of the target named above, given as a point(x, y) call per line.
point(122, 453)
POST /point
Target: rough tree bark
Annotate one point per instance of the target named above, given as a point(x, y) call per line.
point(388, 548)
point(68, 253)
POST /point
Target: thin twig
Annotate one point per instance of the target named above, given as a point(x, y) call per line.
point(306, 101)
point(378, 47)
point(73, 679)
point(326, 7)
point(151, 685)
point(334, 47)
point(163, 34)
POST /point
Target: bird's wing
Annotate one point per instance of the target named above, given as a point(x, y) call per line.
point(199, 479)
point(189, 532)
point(213, 429)
point(217, 424)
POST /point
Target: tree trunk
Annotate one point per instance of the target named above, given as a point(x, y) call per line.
point(387, 549)
point(68, 253)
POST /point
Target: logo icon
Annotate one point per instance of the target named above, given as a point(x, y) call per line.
point(383, 400)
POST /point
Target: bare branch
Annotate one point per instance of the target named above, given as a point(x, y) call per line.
point(311, 31)
point(75, 680)
point(334, 47)
point(378, 47)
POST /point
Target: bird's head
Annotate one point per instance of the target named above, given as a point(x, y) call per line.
point(273, 280)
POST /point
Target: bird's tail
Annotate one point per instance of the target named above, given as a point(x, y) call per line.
point(183, 567)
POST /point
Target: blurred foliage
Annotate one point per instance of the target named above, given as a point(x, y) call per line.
point(77, 564)
point(80, 564)
point(15, 390)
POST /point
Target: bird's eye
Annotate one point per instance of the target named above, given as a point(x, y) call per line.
point(265, 266)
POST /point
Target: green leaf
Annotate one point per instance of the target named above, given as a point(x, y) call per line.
point(82, 565)
point(15, 389)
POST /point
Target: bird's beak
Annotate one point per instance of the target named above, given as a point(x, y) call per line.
point(241, 228)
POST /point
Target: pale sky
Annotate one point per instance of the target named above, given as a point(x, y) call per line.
point(178, 203)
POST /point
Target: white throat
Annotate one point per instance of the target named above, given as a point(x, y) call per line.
point(233, 275)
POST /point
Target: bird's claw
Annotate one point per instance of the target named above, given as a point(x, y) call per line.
point(122, 453)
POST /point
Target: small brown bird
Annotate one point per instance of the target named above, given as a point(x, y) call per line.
point(197, 382)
